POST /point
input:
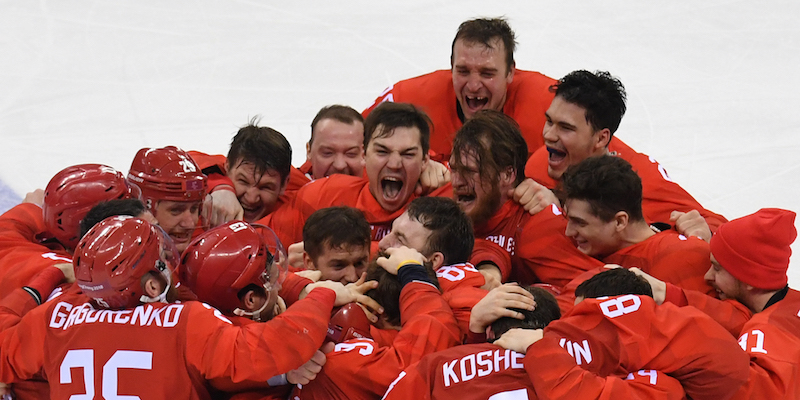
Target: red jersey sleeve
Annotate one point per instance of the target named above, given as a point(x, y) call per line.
point(731, 314)
point(292, 286)
point(555, 375)
point(486, 252)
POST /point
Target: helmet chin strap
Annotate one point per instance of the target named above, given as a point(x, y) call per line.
point(254, 315)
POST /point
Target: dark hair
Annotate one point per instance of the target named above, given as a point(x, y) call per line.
point(343, 114)
point(336, 228)
point(545, 312)
point(496, 142)
point(105, 209)
point(614, 282)
point(387, 294)
point(600, 94)
point(451, 229)
point(263, 147)
point(390, 116)
point(485, 31)
point(608, 183)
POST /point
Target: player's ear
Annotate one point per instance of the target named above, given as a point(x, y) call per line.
point(253, 300)
point(153, 286)
point(621, 219)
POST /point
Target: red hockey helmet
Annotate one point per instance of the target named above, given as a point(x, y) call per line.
point(115, 254)
point(348, 322)
point(74, 191)
point(168, 173)
point(221, 262)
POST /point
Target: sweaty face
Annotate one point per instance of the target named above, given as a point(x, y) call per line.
point(179, 219)
point(257, 193)
point(342, 264)
point(726, 285)
point(408, 232)
point(480, 76)
point(338, 148)
point(569, 138)
point(479, 198)
point(394, 163)
point(593, 236)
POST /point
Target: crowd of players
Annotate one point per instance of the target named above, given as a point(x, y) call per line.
point(476, 233)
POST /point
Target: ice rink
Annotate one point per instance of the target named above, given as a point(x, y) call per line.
point(713, 86)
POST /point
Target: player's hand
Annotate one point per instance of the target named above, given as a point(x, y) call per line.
point(492, 276)
point(398, 255)
point(35, 197)
point(225, 207)
point(659, 287)
point(308, 371)
point(691, 224)
point(433, 176)
point(497, 304)
point(295, 255)
point(68, 270)
point(368, 304)
point(518, 339)
point(532, 196)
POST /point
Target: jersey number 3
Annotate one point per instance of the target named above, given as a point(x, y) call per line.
point(85, 359)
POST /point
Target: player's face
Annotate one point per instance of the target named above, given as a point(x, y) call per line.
point(338, 148)
point(257, 194)
point(480, 76)
point(478, 196)
point(179, 219)
point(394, 163)
point(593, 236)
point(343, 264)
point(408, 232)
point(726, 285)
point(569, 137)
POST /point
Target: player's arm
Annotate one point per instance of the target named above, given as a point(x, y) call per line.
point(409, 385)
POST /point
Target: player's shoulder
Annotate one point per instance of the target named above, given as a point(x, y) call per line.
point(532, 78)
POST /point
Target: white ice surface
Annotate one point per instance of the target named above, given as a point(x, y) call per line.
point(714, 86)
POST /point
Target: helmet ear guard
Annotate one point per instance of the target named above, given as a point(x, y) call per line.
point(348, 322)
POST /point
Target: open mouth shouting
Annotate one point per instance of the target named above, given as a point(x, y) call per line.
point(392, 192)
point(252, 213)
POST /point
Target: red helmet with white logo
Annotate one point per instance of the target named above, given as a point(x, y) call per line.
point(115, 254)
point(168, 173)
point(73, 191)
point(221, 262)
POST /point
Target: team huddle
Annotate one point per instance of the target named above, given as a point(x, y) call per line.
point(476, 233)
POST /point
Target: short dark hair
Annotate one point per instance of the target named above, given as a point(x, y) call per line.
point(485, 31)
point(600, 94)
point(608, 183)
point(336, 228)
point(451, 229)
point(387, 294)
point(389, 116)
point(496, 142)
point(614, 282)
point(263, 147)
point(105, 209)
point(545, 312)
point(344, 114)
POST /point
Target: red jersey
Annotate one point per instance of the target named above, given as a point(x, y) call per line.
point(731, 314)
point(487, 371)
point(613, 335)
point(772, 340)
point(527, 99)
point(22, 255)
point(461, 289)
point(670, 257)
point(362, 369)
point(175, 348)
point(660, 195)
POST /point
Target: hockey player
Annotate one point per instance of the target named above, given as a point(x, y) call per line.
point(173, 189)
point(336, 242)
point(750, 257)
point(581, 121)
point(336, 145)
point(482, 75)
point(603, 204)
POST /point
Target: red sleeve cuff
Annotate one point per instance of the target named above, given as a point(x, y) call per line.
point(217, 181)
point(675, 295)
point(46, 281)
